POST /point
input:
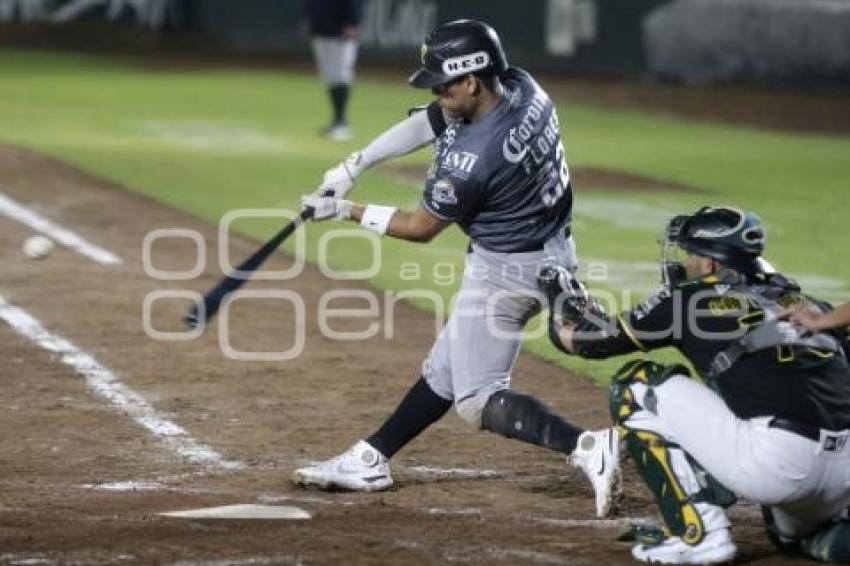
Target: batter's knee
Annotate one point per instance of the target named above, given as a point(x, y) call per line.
point(471, 408)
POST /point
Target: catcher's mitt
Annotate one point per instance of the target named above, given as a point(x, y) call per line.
point(569, 302)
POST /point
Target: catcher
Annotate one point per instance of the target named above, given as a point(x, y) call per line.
point(771, 425)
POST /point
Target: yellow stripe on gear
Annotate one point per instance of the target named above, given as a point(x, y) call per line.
point(630, 333)
point(694, 530)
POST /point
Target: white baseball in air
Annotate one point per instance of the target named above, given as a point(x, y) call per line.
point(38, 247)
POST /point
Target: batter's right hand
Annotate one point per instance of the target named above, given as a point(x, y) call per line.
point(327, 208)
point(339, 180)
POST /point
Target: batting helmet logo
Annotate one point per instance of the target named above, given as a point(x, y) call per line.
point(457, 66)
point(458, 48)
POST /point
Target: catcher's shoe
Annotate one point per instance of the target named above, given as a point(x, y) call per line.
point(360, 468)
point(598, 455)
point(715, 548)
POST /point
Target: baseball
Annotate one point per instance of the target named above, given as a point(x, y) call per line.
point(38, 247)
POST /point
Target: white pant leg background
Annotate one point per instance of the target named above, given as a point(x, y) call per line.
point(770, 466)
point(335, 58)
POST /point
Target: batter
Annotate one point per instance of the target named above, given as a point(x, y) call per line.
point(500, 174)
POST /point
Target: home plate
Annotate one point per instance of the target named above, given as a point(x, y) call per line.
point(244, 511)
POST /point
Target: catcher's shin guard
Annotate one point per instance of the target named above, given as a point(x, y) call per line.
point(830, 543)
point(689, 508)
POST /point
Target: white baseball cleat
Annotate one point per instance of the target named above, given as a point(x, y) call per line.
point(338, 132)
point(598, 455)
point(360, 468)
point(716, 547)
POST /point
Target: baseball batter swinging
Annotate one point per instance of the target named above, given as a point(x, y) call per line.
point(500, 173)
point(774, 425)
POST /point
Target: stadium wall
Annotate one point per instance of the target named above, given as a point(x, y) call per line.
point(755, 40)
point(795, 41)
point(590, 36)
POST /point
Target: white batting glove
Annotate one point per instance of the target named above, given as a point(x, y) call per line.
point(327, 208)
point(338, 181)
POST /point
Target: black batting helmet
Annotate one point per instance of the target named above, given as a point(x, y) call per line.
point(731, 236)
point(456, 49)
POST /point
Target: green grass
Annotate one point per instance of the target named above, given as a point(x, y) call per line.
point(209, 141)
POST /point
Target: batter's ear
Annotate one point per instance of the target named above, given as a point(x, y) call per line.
point(477, 85)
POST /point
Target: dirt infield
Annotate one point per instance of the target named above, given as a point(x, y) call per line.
point(82, 481)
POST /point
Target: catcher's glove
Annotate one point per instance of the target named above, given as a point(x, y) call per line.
point(569, 302)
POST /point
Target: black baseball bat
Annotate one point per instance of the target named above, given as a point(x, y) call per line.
point(212, 300)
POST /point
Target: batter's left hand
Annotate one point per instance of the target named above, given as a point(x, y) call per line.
point(339, 180)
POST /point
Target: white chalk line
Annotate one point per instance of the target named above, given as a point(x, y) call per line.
point(247, 561)
point(128, 485)
point(566, 522)
point(70, 240)
point(105, 384)
point(619, 523)
point(466, 473)
point(25, 559)
point(215, 137)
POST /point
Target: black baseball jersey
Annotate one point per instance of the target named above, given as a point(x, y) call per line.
point(327, 18)
point(702, 318)
point(503, 178)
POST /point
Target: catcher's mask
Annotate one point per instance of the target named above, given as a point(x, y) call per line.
point(730, 236)
point(456, 49)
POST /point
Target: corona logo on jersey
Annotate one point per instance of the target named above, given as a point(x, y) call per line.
point(464, 64)
point(516, 144)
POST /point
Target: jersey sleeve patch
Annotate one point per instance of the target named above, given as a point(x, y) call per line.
point(448, 199)
point(443, 192)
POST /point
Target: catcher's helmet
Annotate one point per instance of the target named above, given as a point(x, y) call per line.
point(731, 236)
point(456, 49)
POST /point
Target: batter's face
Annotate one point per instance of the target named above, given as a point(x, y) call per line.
point(458, 97)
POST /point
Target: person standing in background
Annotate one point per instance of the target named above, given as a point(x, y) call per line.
point(333, 27)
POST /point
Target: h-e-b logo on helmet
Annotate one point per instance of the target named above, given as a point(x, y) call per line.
point(466, 63)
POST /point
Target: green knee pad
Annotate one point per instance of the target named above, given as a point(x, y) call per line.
point(621, 401)
point(648, 372)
